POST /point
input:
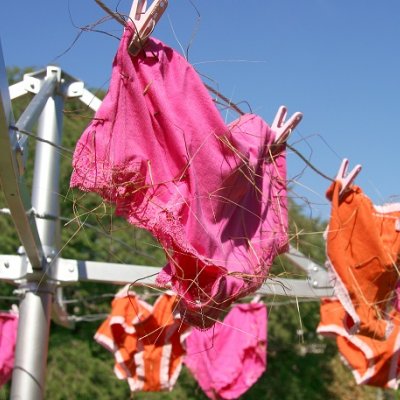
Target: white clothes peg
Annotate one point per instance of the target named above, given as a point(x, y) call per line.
point(283, 129)
point(144, 21)
point(256, 298)
point(14, 309)
point(346, 179)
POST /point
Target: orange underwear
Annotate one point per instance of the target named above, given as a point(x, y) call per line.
point(146, 341)
point(363, 246)
point(372, 362)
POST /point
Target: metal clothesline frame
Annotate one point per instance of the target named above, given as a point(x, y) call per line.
point(37, 269)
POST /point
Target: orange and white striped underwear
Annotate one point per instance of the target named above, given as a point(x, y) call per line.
point(146, 340)
point(372, 362)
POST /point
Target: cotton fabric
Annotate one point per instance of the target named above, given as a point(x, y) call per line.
point(229, 358)
point(363, 248)
point(372, 362)
point(213, 195)
point(146, 341)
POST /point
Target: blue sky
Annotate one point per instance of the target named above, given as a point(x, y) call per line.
point(336, 61)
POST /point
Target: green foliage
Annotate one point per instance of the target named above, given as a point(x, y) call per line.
point(301, 365)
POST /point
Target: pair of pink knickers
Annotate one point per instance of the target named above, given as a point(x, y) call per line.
point(213, 195)
point(229, 358)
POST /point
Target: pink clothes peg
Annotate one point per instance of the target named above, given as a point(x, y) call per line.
point(284, 129)
point(346, 179)
point(144, 21)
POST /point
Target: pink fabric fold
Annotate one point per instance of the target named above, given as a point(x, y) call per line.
point(228, 359)
point(211, 194)
point(8, 338)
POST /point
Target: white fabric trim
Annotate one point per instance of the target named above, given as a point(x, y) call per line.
point(175, 375)
point(121, 372)
point(393, 382)
point(106, 342)
point(120, 320)
point(134, 384)
point(146, 305)
point(118, 357)
point(137, 384)
point(365, 349)
point(125, 292)
point(387, 208)
point(164, 367)
point(184, 336)
point(120, 361)
point(342, 294)
point(368, 353)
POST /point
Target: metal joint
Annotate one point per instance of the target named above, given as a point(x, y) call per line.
point(318, 276)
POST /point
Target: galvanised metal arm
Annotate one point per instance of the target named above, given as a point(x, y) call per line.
point(35, 107)
point(12, 181)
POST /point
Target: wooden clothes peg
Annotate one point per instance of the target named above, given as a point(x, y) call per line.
point(144, 21)
point(283, 129)
point(346, 179)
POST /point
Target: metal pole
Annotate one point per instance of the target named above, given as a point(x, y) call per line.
point(28, 380)
point(45, 189)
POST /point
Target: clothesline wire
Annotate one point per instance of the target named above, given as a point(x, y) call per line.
point(102, 316)
point(113, 14)
point(110, 236)
point(31, 134)
point(224, 98)
point(11, 298)
point(6, 211)
point(88, 317)
point(89, 298)
point(315, 169)
point(154, 293)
